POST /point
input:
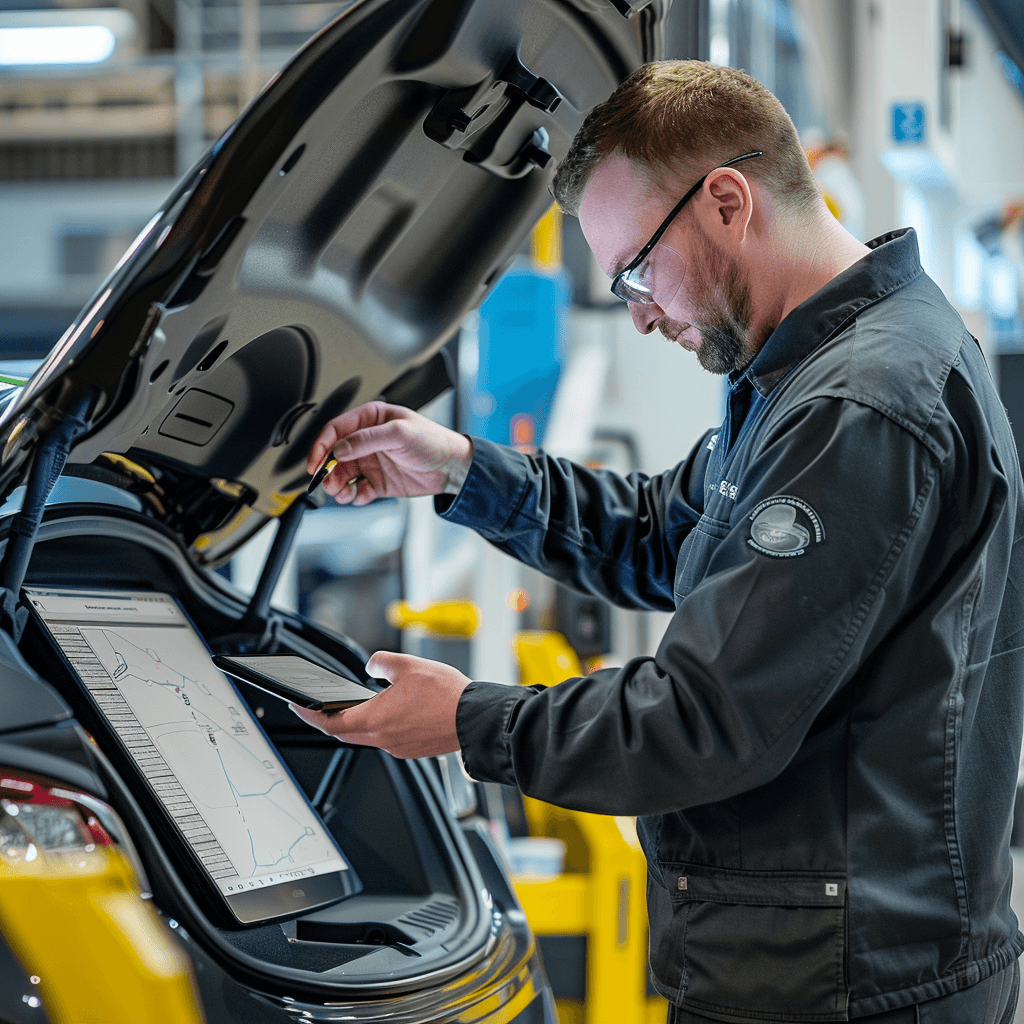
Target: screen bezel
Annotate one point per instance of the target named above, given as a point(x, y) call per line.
point(234, 666)
point(277, 902)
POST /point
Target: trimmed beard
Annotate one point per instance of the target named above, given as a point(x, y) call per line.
point(724, 327)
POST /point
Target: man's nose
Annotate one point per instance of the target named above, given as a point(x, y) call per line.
point(645, 315)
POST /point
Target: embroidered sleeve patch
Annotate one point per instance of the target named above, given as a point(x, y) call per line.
point(784, 526)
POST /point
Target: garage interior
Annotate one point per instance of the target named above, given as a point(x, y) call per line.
point(912, 114)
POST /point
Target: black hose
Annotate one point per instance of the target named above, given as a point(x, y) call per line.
point(51, 454)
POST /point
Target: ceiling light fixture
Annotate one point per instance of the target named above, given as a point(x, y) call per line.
point(51, 38)
point(56, 44)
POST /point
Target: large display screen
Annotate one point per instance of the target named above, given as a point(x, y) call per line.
point(197, 745)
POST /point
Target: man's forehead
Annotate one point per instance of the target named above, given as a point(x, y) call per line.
point(617, 205)
point(616, 183)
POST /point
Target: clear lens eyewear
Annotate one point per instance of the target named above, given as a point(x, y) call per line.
point(656, 279)
point(639, 281)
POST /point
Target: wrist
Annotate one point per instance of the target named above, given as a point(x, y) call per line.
point(458, 467)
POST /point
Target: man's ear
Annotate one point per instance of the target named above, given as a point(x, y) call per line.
point(731, 199)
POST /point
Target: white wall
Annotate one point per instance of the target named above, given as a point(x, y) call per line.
point(896, 52)
point(657, 391)
point(990, 128)
point(35, 216)
point(654, 388)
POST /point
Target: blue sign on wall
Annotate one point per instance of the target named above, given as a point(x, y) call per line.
point(908, 122)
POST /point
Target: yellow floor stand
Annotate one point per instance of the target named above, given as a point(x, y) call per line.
point(600, 894)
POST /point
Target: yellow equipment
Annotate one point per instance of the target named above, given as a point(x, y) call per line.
point(95, 950)
point(546, 240)
point(443, 618)
point(600, 895)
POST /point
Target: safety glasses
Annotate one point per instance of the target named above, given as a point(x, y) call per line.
point(638, 281)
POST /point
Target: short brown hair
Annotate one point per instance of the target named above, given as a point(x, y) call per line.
point(679, 119)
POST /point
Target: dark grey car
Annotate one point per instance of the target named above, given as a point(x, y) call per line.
point(319, 255)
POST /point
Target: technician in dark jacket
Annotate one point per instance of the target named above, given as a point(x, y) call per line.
point(824, 748)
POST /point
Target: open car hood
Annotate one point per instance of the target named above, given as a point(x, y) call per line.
point(323, 251)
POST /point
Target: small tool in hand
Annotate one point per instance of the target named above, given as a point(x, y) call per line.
point(318, 478)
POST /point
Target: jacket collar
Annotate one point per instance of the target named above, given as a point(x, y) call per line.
point(892, 263)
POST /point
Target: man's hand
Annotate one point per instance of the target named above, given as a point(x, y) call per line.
point(388, 451)
point(414, 717)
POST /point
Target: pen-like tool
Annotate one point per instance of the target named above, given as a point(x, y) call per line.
point(318, 477)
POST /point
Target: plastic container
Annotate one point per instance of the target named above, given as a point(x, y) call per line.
point(536, 858)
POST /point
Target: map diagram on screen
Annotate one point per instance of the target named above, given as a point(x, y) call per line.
point(198, 746)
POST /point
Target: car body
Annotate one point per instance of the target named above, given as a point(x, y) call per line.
point(318, 256)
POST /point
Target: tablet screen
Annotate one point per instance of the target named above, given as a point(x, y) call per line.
point(196, 744)
point(313, 681)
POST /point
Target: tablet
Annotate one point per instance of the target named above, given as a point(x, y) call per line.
point(216, 789)
point(297, 680)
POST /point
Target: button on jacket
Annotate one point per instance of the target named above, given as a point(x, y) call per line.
point(823, 751)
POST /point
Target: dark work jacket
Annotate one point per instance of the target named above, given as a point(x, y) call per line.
point(824, 749)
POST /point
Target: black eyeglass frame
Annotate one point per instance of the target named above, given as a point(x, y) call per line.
point(656, 237)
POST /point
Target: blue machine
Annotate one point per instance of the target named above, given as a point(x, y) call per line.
point(522, 348)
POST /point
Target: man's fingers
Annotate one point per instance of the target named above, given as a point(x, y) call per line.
point(337, 480)
point(343, 724)
point(356, 488)
point(348, 492)
point(362, 444)
point(413, 717)
point(341, 427)
point(317, 719)
point(371, 441)
point(331, 434)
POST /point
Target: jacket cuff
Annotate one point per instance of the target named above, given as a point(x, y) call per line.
point(492, 492)
point(481, 721)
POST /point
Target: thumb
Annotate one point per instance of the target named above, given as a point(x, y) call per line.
point(386, 664)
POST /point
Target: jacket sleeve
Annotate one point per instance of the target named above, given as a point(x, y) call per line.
point(612, 536)
point(754, 651)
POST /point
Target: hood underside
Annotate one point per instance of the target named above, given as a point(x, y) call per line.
point(323, 251)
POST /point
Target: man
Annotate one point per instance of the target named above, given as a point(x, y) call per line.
point(823, 750)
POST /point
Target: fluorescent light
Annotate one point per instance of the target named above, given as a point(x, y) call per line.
point(1002, 288)
point(719, 41)
point(917, 215)
point(63, 37)
point(56, 44)
point(969, 260)
point(719, 49)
